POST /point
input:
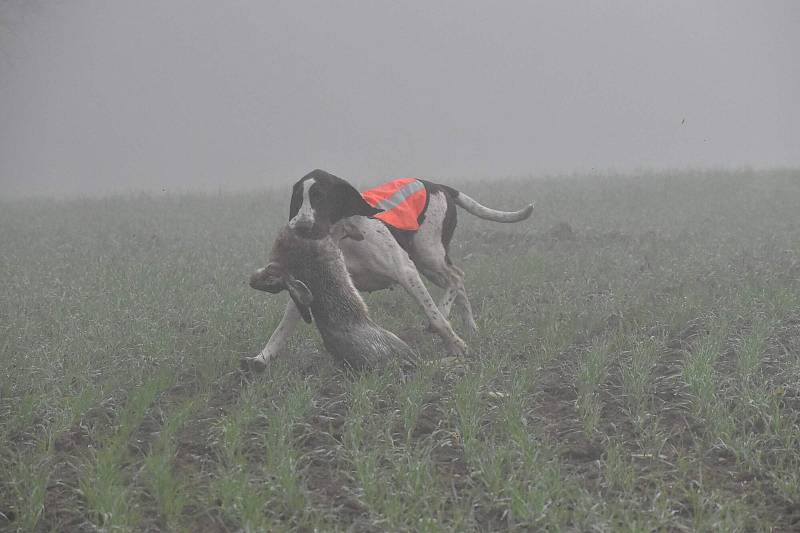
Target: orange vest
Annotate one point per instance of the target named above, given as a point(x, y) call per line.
point(402, 201)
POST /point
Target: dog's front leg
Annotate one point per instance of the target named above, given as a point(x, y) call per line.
point(277, 342)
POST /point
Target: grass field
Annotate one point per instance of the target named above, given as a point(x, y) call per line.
point(637, 369)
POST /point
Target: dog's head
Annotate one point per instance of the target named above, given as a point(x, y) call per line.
point(320, 199)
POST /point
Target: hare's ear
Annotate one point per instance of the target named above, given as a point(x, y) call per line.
point(345, 229)
point(301, 297)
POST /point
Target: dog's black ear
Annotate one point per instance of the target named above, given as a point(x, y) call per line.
point(301, 296)
point(348, 202)
point(297, 199)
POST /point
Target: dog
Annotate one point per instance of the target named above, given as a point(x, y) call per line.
point(387, 256)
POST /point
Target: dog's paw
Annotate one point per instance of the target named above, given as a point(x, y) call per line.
point(457, 348)
point(252, 364)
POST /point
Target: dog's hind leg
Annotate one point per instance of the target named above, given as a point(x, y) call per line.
point(379, 257)
point(412, 283)
point(463, 301)
point(429, 251)
point(451, 278)
point(277, 342)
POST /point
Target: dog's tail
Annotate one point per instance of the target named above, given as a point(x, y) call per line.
point(487, 213)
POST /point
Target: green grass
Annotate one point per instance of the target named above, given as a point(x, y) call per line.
point(639, 372)
point(592, 374)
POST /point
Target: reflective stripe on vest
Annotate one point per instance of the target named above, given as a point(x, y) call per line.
point(400, 196)
point(402, 201)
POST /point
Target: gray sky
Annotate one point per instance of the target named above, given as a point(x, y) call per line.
point(100, 96)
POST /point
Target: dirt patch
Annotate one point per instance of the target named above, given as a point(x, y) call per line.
point(64, 508)
point(194, 451)
point(685, 338)
point(430, 418)
point(329, 487)
point(207, 519)
point(74, 439)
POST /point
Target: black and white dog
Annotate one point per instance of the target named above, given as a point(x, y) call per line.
point(387, 257)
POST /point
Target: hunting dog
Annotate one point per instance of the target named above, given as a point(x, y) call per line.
point(386, 256)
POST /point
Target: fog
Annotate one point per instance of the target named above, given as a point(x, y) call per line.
point(99, 97)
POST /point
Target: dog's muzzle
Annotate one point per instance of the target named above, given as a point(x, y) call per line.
point(304, 223)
